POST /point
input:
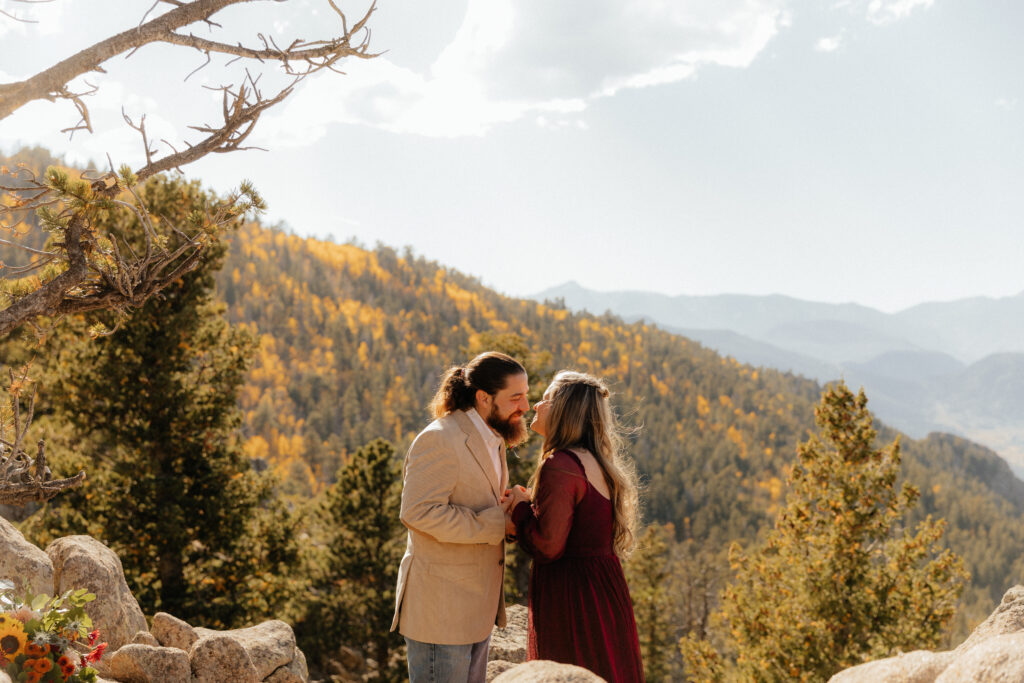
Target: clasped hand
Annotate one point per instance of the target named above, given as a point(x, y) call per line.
point(512, 497)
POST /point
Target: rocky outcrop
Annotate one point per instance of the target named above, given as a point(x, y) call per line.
point(507, 657)
point(84, 562)
point(547, 672)
point(993, 653)
point(171, 631)
point(509, 644)
point(173, 651)
point(269, 645)
point(147, 664)
point(21, 561)
point(496, 667)
point(218, 657)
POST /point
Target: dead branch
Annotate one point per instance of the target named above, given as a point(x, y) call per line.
point(24, 479)
point(52, 83)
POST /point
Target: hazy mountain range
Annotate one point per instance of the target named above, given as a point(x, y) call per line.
point(945, 366)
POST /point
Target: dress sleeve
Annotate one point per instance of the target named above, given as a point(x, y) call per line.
point(543, 526)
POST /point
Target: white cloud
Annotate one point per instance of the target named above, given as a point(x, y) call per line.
point(42, 19)
point(530, 58)
point(41, 122)
point(829, 44)
point(889, 11)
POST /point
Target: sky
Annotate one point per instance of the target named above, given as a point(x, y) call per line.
point(857, 150)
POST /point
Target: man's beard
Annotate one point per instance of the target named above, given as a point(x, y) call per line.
point(512, 429)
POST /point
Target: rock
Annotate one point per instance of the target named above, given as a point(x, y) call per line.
point(543, 671)
point(146, 638)
point(84, 562)
point(1008, 618)
point(136, 663)
point(999, 659)
point(294, 672)
point(20, 561)
point(270, 645)
point(920, 666)
point(218, 658)
point(173, 632)
point(509, 643)
point(496, 667)
point(993, 653)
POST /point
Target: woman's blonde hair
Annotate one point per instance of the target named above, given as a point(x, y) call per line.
point(581, 416)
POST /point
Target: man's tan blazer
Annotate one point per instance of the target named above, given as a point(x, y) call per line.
point(450, 580)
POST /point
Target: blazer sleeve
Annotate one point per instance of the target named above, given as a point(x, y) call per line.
point(542, 527)
point(431, 473)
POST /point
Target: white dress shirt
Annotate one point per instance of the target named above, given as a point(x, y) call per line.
point(491, 440)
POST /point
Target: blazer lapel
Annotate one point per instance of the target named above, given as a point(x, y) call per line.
point(476, 445)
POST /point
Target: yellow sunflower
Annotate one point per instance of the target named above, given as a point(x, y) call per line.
point(12, 637)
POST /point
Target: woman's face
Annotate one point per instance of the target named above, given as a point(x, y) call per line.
point(540, 414)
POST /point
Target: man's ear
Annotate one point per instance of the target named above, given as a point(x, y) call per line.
point(483, 398)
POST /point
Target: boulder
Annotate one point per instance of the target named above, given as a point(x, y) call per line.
point(20, 561)
point(146, 638)
point(1007, 618)
point(543, 671)
point(270, 645)
point(496, 667)
point(993, 653)
point(135, 663)
point(509, 644)
point(919, 666)
point(173, 632)
point(293, 672)
point(999, 659)
point(84, 562)
point(218, 658)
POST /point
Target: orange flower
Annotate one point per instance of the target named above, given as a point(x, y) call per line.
point(42, 665)
point(33, 677)
point(33, 650)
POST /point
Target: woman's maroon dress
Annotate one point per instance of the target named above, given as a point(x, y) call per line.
point(580, 609)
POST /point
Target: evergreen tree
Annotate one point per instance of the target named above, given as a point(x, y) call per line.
point(153, 409)
point(355, 582)
point(839, 581)
point(647, 572)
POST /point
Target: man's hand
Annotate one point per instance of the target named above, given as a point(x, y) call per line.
point(514, 496)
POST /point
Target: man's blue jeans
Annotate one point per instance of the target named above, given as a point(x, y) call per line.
point(430, 663)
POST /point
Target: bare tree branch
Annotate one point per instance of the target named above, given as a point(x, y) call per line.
point(51, 84)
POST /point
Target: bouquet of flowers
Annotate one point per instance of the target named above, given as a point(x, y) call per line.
point(48, 640)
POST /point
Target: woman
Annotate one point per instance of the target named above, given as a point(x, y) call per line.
point(580, 520)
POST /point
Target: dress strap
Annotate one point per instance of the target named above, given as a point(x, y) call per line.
point(575, 459)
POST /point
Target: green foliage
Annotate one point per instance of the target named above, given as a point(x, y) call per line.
point(354, 341)
point(355, 574)
point(647, 572)
point(839, 580)
point(152, 409)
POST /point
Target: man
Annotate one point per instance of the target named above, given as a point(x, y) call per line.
point(449, 594)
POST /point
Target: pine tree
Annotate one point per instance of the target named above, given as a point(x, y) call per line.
point(839, 580)
point(647, 572)
point(153, 407)
point(357, 575)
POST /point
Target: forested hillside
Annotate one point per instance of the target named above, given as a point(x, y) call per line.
point(353, 342)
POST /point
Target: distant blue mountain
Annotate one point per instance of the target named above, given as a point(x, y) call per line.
point(944, 366)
